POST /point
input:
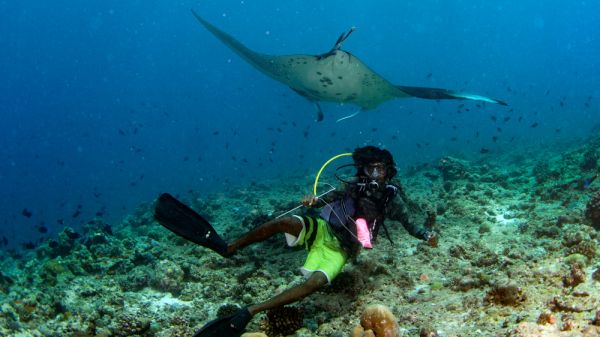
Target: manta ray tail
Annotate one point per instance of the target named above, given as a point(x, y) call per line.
point(436, 93)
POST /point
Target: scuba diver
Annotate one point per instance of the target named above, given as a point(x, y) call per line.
point(350, 220)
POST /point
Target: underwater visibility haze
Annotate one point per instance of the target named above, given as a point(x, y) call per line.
point(107, 104)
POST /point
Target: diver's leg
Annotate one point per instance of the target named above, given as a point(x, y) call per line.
point(312, 284)
point(290, 225)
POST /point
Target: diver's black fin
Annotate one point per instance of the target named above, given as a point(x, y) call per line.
point(183, 221)
point(227, 326)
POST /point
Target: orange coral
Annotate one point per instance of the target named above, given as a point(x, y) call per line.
point(377, 321)
point(546, 317)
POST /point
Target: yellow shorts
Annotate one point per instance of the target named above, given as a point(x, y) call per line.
point(325, 253)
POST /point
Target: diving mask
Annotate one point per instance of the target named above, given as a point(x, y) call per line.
point(375, 170)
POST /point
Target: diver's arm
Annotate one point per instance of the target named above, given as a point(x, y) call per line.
point(312, 201)
point(415, 219)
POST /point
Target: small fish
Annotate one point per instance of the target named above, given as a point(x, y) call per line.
point(534, 125)
point(77, 213)
point(588, 182)
point(42, 228)
point(215, 133)
point(107, 229)
point(72, 235)
point(28, 245)
point(26, 213)
point(520, 118)
point(453, 139)
point(52, 243)
point(494, 138)
point(557, 130)
point(506, 119)
point(499, 129)
point(493, 118)
point(484, 150)
point(4, 241)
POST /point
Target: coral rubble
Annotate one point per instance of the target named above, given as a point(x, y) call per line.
point(517, 256)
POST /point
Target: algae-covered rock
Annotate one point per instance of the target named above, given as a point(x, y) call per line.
point(453, 168)
point(506, 294)
point(576, 259)
point(131, 325)
point(592, 211)
point(167, 276)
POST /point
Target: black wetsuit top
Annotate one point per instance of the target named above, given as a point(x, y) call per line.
point(390, 202)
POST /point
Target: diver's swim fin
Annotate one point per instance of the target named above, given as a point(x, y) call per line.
point(227, 326)
point(183, 221)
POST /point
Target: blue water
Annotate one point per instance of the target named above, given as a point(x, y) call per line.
point(104, 104)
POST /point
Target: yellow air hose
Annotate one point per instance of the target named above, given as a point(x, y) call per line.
point(325, 165)
point(317, 182)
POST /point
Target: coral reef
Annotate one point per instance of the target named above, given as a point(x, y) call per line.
point(592, 211)
point(129, 325)
point(596, 319)
point(590, 160)
point(227, 309)
point(506, 294)
point(377, 320)
point(576, 276)
point(497, 221)
point(453, 168)
point(283, 321)
point(546, 317)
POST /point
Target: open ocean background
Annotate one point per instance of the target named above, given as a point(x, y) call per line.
point(104, 104)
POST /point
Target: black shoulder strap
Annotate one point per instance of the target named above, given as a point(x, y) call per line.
point(391, 191)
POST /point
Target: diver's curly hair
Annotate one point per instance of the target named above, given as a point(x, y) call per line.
point(366, 155)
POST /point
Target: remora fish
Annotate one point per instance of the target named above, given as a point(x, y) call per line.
point(336, 76)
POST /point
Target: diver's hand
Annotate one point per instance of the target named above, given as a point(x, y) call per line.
point(310, 200)
point(431, 238)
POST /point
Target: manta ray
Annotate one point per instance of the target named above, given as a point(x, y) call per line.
point(335, 76)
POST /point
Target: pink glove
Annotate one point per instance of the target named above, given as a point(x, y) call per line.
point(362, 231)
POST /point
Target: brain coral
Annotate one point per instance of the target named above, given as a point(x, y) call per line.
point(377, 320)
